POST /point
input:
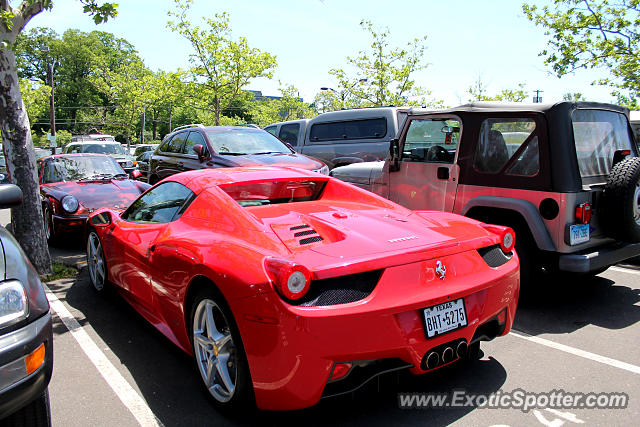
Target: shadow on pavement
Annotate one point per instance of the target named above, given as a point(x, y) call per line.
point(170, 384)
point(561, 307)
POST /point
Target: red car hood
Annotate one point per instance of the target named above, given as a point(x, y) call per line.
point(115, 194)
point(279, 159)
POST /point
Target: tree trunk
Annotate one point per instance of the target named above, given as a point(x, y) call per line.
point(26, 219)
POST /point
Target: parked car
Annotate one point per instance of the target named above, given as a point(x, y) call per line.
point(141, 148)
point(106, 145)
point(343, 137)
point(74, 185)
point(556, 173)
point(196, 147)
point(26, 337)
point(265, 274)
point(143, 165)
point(634, 117)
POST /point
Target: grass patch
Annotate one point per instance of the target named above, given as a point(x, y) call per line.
point(60, 271)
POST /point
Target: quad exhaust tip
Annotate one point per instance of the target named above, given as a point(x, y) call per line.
point(432, 360)
point(461, 349)
point(447, 355)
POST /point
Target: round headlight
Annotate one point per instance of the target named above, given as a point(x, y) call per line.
point(324, 170)
point(70, 204)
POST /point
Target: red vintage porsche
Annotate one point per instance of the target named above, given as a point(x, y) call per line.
point(74, 185)
point(288, 286)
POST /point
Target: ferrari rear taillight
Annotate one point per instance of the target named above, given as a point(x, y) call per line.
point(290, 280)
point(507, 236)
point(583, 213)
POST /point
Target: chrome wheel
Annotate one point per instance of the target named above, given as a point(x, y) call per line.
point(214, 350)
point(47, 223)
point(95, 261)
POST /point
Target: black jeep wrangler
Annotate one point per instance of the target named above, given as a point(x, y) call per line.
point(565, 176)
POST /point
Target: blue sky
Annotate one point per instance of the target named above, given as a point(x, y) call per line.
point(466, 39)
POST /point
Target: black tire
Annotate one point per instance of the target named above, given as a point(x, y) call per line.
point(35, 414)
point(49, 230)
point(96, 263)
point(619, 208)
point(234, 362)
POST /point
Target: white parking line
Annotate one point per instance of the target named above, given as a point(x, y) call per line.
point(581, 353)
point(131, 399)
point(625, 270)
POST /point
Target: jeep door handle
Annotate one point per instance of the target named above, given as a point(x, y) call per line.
point(443, 172)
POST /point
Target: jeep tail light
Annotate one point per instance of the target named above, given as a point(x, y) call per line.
point(507, 236)
point(291, 280)
point(583, 213)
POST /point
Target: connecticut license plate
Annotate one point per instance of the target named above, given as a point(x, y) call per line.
point(445, 317)
point(578, 233)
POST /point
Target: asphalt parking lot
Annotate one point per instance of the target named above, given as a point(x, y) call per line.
point(112, 368)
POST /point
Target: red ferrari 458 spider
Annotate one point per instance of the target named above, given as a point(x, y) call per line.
point(288, 286)
point(74, 185)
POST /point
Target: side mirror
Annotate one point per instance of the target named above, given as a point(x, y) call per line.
point(394, 153)
point(136, 174)
point(10, 196)
point(199, 150)
point(103, 219)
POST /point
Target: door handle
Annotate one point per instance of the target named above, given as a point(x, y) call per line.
point(443, 172)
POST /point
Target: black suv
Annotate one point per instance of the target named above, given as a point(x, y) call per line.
point(26, 337)
point(196, 147)
point(565, 176)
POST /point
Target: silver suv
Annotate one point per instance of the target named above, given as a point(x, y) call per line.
point(102, 144)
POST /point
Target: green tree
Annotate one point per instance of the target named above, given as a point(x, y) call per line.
point(575, 96)
point(289, 107)
point(478, 92)
point(15, 128)
point(587, 34)
point(220, 67)
point(383, 74)
point(36, 98)
point(77, 56)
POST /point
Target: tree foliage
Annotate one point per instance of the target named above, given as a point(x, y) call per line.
point(478, 92)
point(288, 107)
point(220, 66)
point(383, 74)
point(587, 34)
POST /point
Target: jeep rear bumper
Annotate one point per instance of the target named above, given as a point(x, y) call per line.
point(593, 260)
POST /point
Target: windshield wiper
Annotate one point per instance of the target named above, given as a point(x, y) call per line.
point(270, 152)
point(98, 177)
point(228, 153)
point(120, 175)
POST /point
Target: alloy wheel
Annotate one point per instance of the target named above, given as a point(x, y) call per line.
point(95, 261)
point(215, 351)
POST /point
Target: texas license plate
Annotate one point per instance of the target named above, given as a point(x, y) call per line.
point(445, 317)
point(578, 233)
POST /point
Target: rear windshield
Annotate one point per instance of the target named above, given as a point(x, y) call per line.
point(272, 192)
point(113, 148)
point(598, 135)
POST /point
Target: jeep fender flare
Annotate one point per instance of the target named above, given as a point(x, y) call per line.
point(527, 211)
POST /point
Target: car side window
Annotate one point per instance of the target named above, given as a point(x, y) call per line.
point(164, 203)
point(174, 145)
point(511, 142)
point(348, 130)
point(271, 130)
point(194, 138)
point(431, 140)
point(289, 133)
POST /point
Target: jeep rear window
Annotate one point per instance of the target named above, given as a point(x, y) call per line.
point(598, 135)
point(273, 192)
point(346, 130)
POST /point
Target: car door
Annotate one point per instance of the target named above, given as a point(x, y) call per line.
point(170, 159)
point(133, 239)
point(190, 160)
point(427, 178)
